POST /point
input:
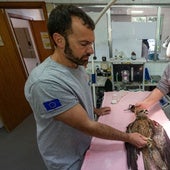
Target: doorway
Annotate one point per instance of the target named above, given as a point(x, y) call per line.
point(20, 22)
point(26, 47)
point(13, 74)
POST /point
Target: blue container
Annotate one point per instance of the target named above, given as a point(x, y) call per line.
point(147, 76)
point(151, 56)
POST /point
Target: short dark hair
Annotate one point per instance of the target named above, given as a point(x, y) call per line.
point(60, 19)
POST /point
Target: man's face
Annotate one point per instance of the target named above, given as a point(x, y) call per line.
point(79, 44)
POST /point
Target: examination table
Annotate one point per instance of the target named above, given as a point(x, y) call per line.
point(111, 155)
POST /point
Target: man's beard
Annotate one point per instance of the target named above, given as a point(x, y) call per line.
point(70, 56)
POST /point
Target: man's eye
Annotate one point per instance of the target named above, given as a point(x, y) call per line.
point(82, 44)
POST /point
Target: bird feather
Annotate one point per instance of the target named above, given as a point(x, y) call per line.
point(156, 154)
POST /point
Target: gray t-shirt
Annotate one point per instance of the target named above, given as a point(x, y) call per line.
point(164, 83)
point(52, 89)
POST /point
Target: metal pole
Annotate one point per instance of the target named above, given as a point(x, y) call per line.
point(93, 69)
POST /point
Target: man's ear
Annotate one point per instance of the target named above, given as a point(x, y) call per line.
point(59, 40)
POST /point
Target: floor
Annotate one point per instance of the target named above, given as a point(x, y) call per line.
point(18, 149)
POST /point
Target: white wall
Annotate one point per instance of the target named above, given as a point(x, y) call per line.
point(156, 68)
point(19, 23)
point(34, 14)
point(30, 63)
point(165, 29)
point(127, 36)
point(101, 36)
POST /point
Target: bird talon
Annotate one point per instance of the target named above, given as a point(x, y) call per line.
point(149, 142)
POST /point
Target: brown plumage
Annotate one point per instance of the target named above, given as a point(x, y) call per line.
point(156, 155)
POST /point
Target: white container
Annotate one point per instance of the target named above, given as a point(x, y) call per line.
point(125, 76)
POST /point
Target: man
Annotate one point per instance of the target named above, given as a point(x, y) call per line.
point(161, 90)
point(60, 95)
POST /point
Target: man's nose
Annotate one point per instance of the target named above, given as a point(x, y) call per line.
point(90, 49)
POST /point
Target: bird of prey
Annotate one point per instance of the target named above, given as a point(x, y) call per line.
point(156, 155)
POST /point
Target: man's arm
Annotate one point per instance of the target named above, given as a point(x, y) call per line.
point(76, 117)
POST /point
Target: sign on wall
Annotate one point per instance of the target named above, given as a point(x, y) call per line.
point(46, 40)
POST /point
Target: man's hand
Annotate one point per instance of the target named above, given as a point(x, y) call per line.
point(138, 140)
point(102, 111)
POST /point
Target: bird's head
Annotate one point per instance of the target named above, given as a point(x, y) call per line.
point(141, 113)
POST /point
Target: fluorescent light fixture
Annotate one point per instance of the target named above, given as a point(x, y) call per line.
point(136, 12)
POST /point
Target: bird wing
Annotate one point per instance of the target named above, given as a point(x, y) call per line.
point(162, 142)
point(131, 151)
point(156, 155)
point(142, 126)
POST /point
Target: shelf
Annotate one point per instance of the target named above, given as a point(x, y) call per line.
point(150, 84)
point(138, 61)
point(128, 86)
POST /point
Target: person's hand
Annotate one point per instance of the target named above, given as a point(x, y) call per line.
point(102, 111)
point(141, 105)
point(138, 140)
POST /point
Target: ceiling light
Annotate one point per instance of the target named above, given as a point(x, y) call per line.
point(136, 12)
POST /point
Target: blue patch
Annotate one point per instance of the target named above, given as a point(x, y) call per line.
point(51, 105)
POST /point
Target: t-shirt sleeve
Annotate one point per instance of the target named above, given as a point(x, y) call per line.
point(51, 99)
point(164, 83)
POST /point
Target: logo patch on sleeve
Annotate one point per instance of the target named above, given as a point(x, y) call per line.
point(52, 104)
